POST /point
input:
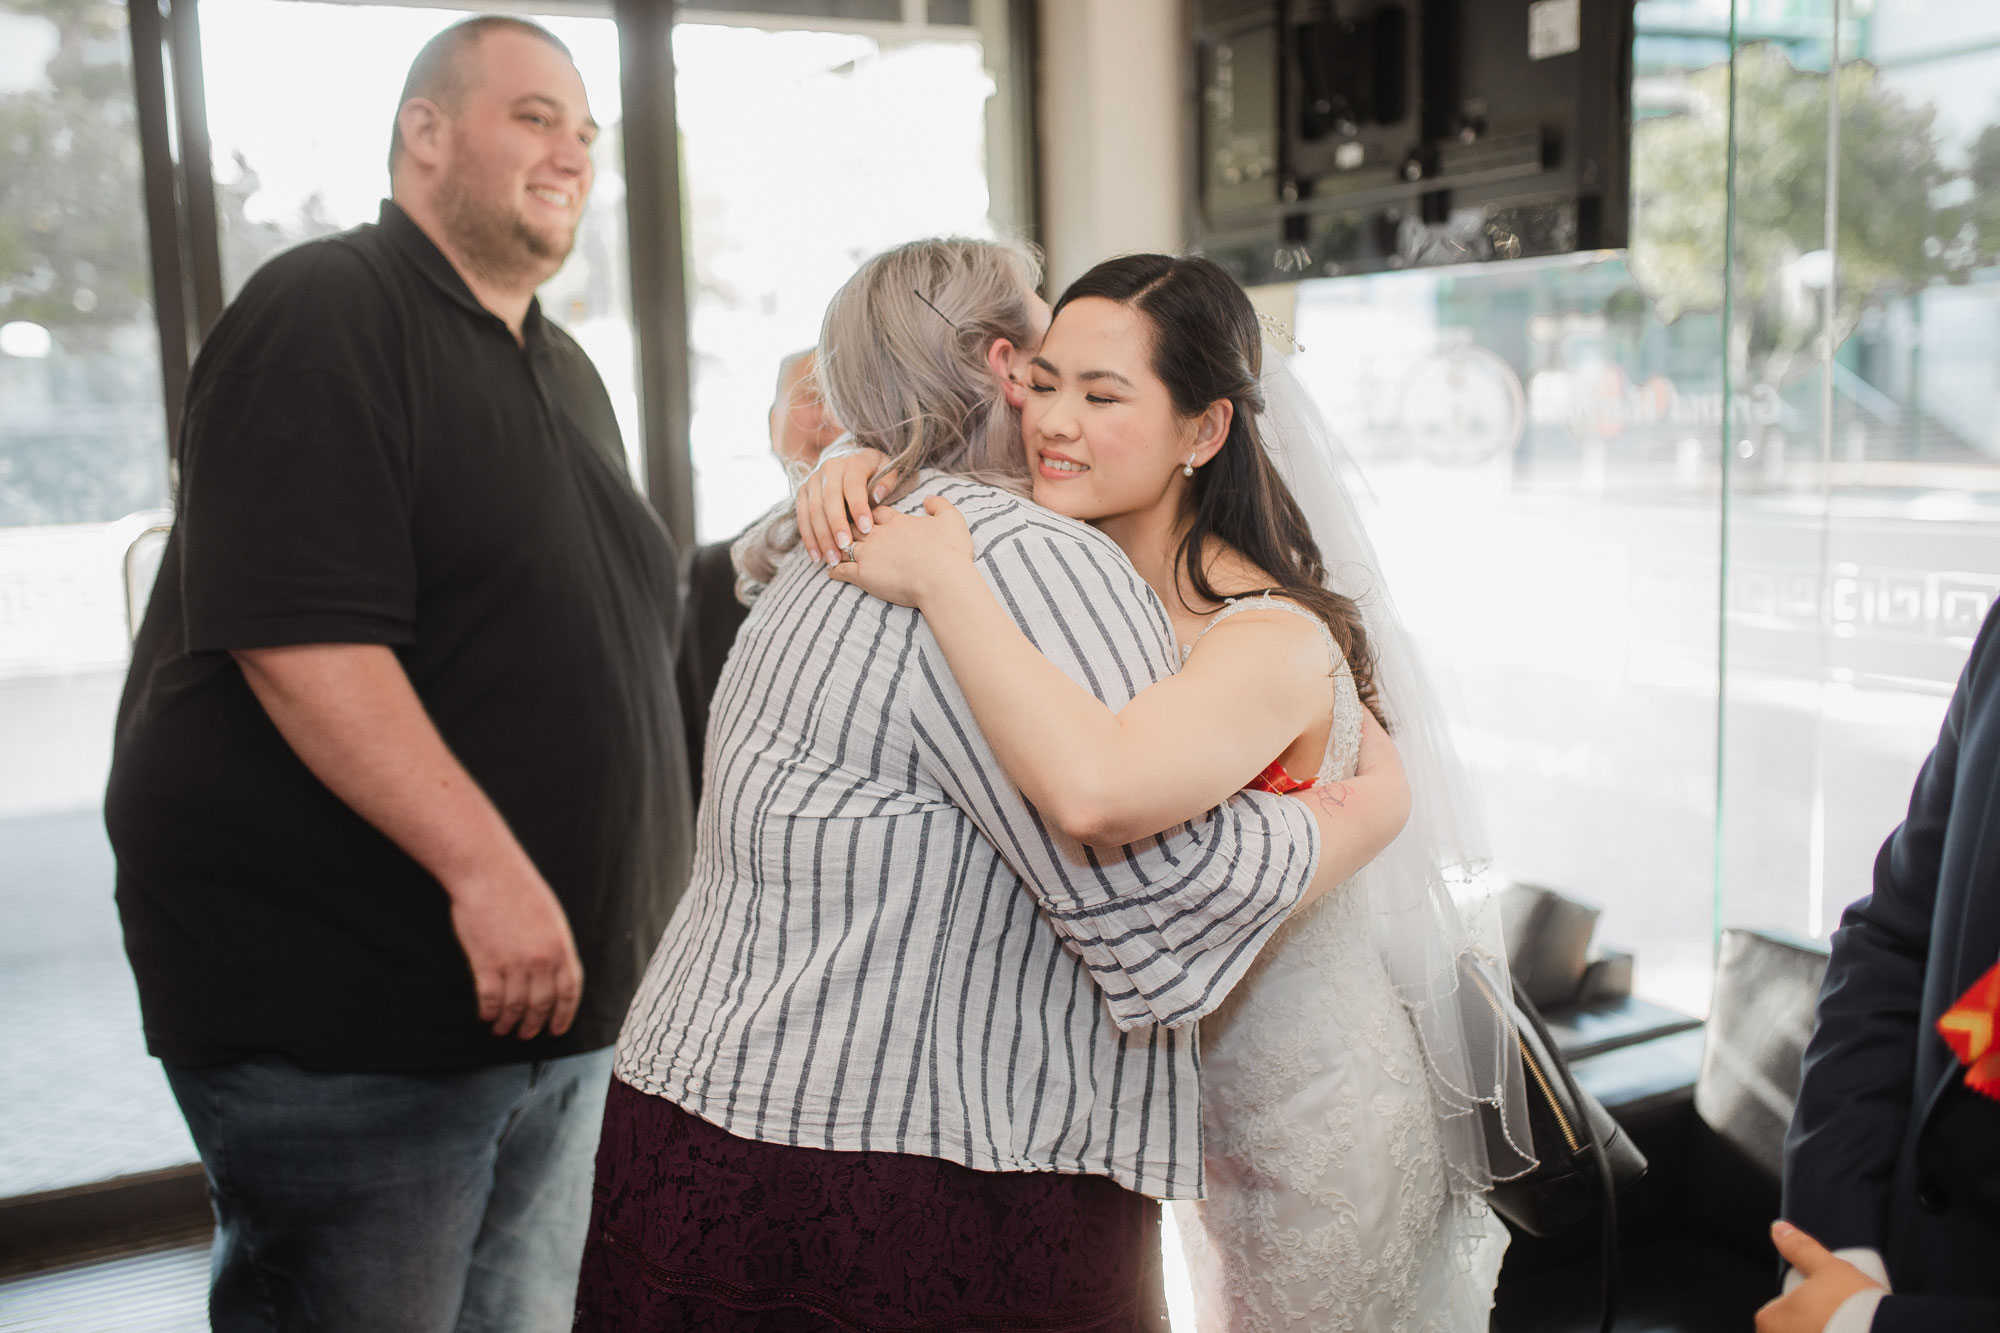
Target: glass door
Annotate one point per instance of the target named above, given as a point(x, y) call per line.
point(1864, 490)
point(1703, 531)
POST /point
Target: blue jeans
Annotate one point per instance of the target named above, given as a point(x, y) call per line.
point(396, 1203)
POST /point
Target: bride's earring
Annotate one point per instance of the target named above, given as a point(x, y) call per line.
point(1187, 468)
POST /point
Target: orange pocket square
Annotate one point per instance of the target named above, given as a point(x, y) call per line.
point(1969, 1028)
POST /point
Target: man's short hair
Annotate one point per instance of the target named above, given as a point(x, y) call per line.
point(439, 71)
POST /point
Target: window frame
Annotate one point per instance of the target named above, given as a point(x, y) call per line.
point(185, 244)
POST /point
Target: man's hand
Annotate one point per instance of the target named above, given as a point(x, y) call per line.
point(1828, 1283)
point(524, 964)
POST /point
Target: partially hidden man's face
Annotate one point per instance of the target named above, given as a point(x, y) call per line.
point(519, 170)
point(802, 425)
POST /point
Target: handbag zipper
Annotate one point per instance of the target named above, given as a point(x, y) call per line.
point(1534, 1067)
point(1555, 1107)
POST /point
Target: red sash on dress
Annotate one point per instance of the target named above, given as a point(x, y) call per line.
point(1277, 781)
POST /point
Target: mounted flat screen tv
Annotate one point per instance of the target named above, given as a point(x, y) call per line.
point(1352, 136)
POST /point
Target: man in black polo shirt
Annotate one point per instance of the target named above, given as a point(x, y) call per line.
point(399, 795)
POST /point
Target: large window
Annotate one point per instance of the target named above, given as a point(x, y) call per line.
point(1697, 667)
point(1558, 565)
point(1865, 491)
point(83, 471)
point(805, 153)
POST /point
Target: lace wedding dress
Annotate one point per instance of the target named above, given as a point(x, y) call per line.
point(1328, 1206)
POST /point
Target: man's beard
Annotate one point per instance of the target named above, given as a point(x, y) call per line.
point(489, 232)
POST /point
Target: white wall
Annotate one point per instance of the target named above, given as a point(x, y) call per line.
point(1111, 81)
point(1116, 136)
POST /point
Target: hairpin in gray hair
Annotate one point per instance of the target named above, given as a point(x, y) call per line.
point(1279, 333)
point(939, 313)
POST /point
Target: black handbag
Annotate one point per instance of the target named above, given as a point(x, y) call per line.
point(1583, 1157)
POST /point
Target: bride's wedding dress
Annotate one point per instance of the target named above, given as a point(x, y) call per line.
point(1328, 1206)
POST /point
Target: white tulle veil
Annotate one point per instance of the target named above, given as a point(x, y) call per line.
point(1431, 895)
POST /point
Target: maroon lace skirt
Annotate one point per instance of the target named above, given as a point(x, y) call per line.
point(692, 1228)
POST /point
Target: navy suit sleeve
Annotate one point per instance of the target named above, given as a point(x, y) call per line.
point(1854, 1099)
point(1935, 1314)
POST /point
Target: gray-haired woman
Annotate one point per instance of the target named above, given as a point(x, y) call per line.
point(909, 1056)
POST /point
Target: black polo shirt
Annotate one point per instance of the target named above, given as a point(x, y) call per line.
point(368, 456)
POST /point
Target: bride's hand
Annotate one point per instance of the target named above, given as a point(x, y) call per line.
point(909, 558)
point(834, 501)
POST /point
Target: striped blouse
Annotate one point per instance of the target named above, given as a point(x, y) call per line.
point(884, 947)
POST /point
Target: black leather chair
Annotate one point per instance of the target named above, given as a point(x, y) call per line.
point(1695, 1253)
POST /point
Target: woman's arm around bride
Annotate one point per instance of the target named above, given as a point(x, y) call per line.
point(1250, 691)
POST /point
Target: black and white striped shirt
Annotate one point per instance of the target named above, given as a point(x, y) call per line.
point(885, 948)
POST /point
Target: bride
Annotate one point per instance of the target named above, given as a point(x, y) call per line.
point(1343, 1087)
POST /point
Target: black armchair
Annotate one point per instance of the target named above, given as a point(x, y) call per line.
point(1709, 1109)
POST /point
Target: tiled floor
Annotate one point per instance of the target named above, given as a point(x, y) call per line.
point(164, 1291)
point(81, 1100)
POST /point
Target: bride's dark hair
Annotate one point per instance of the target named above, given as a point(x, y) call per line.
point(1207, 346)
